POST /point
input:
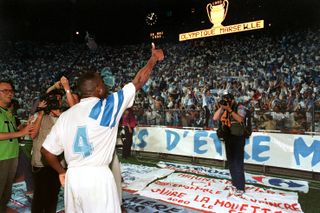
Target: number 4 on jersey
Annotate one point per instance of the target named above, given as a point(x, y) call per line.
point(81, 143)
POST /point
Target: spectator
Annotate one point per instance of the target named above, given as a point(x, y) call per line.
point(24, 169)
point(9, 143)
point(271, 68)
point(46, 179)
point(129, 122)
point(268, 123)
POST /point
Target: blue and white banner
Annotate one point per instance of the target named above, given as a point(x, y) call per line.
point(281, 183)
point(291, 151)
point(22, 204)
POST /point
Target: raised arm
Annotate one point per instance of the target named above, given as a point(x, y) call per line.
point(56, 85)
point(144, 73)
point(71, 99)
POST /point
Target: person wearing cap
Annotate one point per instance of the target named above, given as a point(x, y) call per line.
point(230, 113)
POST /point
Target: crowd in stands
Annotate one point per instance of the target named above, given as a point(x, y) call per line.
point(276, 76)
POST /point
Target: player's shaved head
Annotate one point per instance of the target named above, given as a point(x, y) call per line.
point(91, 85)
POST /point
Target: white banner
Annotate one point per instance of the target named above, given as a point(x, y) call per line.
point(137, 177)
point(275, 182)
point(211, 195)
point(134, 203)
point(301, 152)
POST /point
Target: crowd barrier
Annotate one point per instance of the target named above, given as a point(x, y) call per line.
point(296, 122)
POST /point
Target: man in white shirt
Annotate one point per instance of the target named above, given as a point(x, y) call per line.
point(87, 133)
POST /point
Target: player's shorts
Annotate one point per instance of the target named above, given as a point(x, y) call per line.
point(91, 190)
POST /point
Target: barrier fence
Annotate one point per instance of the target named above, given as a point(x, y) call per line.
point(302, 122)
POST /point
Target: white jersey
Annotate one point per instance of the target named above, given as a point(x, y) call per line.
point(87, 131)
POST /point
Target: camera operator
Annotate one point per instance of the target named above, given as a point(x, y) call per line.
point(232, 114)
point(71, 97)
point(46, 179)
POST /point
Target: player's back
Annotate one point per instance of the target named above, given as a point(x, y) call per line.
point(86, 141)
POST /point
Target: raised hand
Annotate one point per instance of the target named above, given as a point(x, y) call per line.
point(157, 53)
point(42, 104)
point(65, 83)
point(27, 129)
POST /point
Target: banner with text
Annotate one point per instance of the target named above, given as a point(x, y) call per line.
point(217, 11)
point(137, 177)
point(254, 25)
point(208, 194)
point(301, 152)
point(275, 182)
point(134, 203)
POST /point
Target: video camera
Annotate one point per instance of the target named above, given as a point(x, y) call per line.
point(51, 100)
point(226, 99)
point(223, 102)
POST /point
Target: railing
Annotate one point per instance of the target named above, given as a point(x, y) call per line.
point(285, 121)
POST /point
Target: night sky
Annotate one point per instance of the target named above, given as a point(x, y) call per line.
point(117, 21)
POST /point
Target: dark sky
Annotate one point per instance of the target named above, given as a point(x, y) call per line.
point(124, 21)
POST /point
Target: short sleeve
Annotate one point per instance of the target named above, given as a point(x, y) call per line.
point(129, 91)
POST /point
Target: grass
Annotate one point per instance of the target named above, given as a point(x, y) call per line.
point(310, 202)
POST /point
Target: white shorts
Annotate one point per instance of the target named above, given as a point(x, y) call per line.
point(91, 190)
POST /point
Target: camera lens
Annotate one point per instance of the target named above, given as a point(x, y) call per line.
point(223, 102)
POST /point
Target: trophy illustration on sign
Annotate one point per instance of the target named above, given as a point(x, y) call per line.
point(217, 11)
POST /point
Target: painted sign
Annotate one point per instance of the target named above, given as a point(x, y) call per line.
point(291, 151)
point(212, 195)
point(275, 182)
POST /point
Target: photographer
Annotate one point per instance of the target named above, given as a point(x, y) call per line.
point(71, 97)
point(232, 115)
point(46, 179)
